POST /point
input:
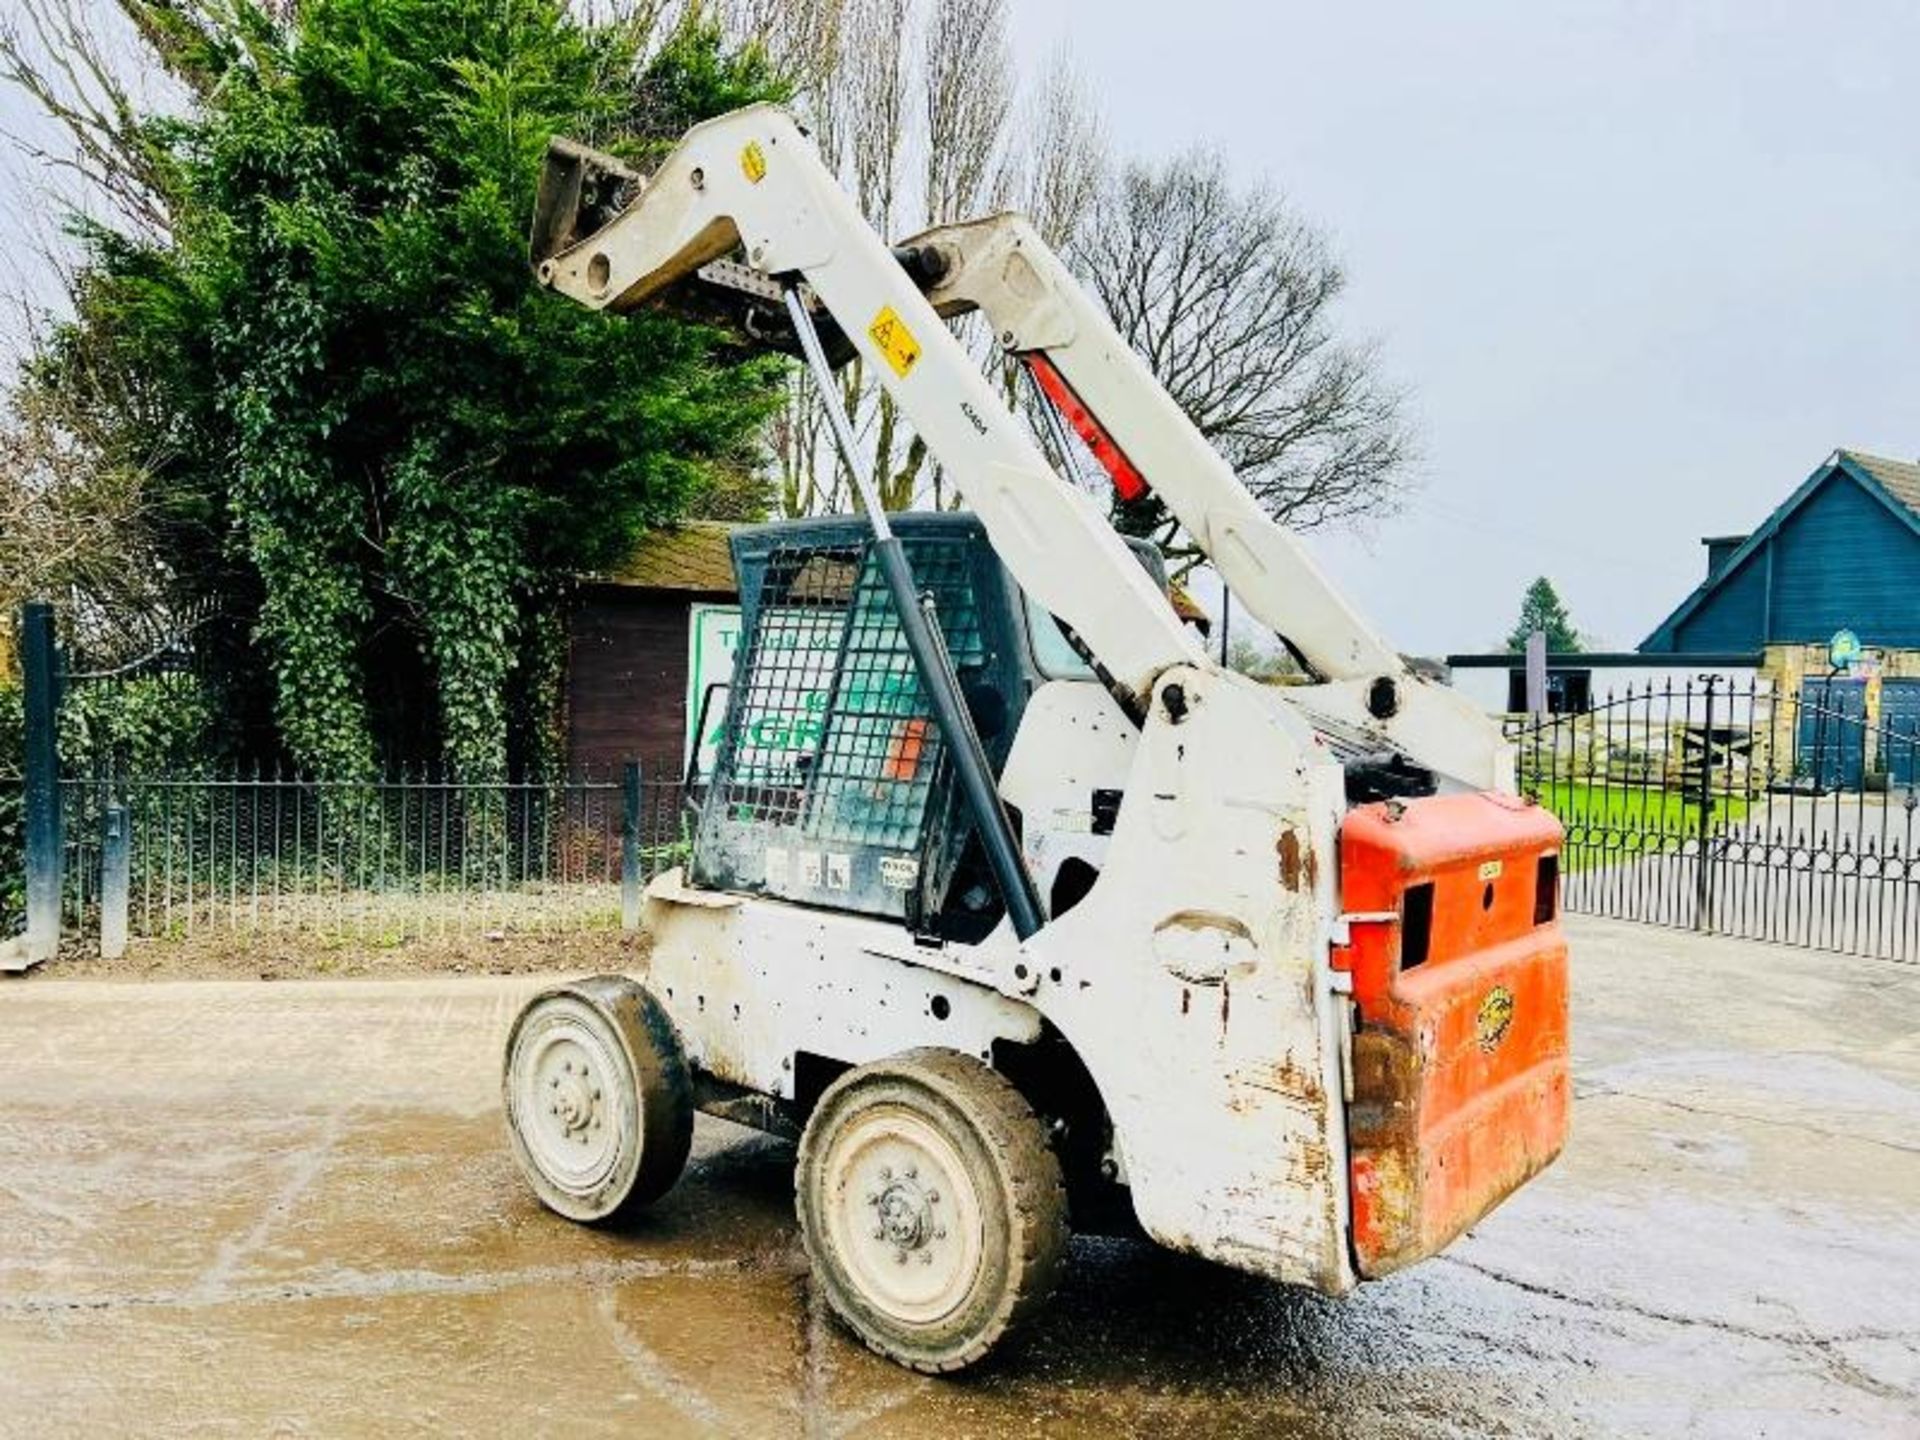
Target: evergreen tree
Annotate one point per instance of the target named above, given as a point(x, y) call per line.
point(1542, 609)
point(378, 447)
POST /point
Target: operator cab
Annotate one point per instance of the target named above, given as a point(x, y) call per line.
point(832, 785)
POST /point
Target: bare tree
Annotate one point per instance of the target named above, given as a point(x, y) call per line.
point(1062, 154)
point(801, 37)
point(967, 92)
point(78, 520)
point(1229, 296)
point(1226, 292)
point(76, 517)
point(872, 81)
point(914, 117)
point(69, 58)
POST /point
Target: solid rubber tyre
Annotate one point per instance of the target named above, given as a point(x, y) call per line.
point(931, 1206)
point(598, 1102)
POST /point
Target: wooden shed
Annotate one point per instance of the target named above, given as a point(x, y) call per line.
point(630, 641)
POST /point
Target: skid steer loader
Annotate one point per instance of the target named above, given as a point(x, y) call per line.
point(1009, 904)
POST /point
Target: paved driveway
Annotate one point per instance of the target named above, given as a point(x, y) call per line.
point(286, 1209)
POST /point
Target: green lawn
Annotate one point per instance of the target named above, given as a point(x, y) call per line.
point(1618, 822)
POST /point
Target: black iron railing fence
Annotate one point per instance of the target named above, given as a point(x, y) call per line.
point(1737, 809)
point(1731, 809)
point(379, 861)
point(13, 859)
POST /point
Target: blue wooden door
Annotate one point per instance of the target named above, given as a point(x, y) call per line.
point(1900, 731)
point(1833, 733)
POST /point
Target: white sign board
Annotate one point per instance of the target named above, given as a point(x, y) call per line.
point(779, 737)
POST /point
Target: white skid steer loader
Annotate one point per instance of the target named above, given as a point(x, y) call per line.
point(1005, 900)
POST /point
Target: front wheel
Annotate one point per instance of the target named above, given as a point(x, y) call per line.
point(599, 1107)
point(931, 1205)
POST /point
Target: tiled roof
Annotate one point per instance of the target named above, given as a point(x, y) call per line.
point(691, 556)
point(1900, 478)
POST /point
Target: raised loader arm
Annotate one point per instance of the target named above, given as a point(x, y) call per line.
point(1040, 313)
point(751, 180)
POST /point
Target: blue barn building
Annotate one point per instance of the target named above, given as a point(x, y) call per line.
point(1840, 553)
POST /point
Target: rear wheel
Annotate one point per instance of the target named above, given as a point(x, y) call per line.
point(599, 1108)
point(931, 1205)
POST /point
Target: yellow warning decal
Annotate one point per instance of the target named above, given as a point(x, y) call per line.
point(895, 340)
point(1490, 869)
point(753, 162)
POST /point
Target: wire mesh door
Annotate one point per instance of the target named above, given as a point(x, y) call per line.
point(832, 785)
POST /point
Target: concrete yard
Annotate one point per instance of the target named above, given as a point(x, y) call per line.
point(233, 1208)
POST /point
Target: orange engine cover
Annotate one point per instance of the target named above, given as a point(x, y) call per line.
point(1460, 1087)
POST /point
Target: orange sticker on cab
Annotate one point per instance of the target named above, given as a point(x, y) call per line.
point(895, 341)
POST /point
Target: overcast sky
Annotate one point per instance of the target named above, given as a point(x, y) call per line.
point(1642, 265)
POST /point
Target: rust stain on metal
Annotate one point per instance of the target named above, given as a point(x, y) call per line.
point(1383, 1126)
point(1301, 1081)
point(1292, 863)
point(1283, 1077)
point(1312, 1166)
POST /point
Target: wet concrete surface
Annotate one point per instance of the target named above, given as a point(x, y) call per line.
point(287, 1209)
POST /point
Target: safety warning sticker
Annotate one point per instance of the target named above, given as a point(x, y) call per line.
point(895, 340)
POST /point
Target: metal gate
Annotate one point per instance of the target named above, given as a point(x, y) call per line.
point(1739, 811)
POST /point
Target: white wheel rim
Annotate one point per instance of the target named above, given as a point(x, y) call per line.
point(567, 1078)
point(903, 1214)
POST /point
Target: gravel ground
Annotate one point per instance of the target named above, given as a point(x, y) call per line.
point(297, 955)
